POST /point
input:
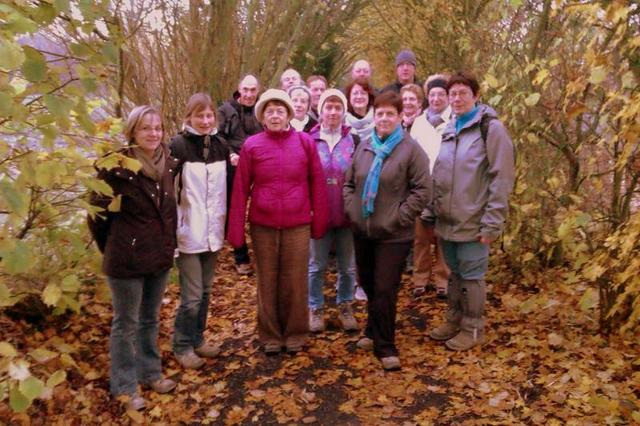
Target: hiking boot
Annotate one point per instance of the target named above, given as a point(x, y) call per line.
point(365, 344)
point(445, 331)
point(316, 321)
point(465, 340)
point(294, 348)
point(272, 348)
point(207, 350)
point(390, 363)
point(418, 292)
point(190, 360)
point(441, 291)
point(345, 316)
point(360, 294)
point(135, 403)
point(453, 316)
point(162, 385)
point(244, 269)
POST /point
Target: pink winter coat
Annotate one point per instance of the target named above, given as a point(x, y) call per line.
point(282, 173)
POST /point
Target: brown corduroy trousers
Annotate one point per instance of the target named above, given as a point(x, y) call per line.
point(428, 263)
point(282, 260)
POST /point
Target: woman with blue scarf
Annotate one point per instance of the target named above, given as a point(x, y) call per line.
point(387, 186)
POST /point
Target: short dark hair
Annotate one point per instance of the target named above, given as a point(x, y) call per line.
point(388, 98)
point(365, 86)
point(313, 78)
point(466, 79)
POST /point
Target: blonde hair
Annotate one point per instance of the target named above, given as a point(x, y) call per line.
point(415, 89)
point(135, 118)
point(198, 102)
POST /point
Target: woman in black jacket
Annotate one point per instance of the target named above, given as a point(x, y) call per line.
point(136, 233)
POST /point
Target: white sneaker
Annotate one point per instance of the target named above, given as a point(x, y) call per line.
point(360, 294)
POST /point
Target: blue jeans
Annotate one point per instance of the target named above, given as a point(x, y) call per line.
point(319, 256)
point(133, 344)
point(196, 276)
point(469, 260)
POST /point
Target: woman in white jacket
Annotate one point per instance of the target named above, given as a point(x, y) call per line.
point(201, 190)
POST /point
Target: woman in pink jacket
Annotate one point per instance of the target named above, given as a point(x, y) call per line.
point(281, 170)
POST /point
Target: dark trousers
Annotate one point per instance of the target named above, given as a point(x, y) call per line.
point(380, 266)
point(241, 255)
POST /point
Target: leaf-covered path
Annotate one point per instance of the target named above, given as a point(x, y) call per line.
point(543, 364)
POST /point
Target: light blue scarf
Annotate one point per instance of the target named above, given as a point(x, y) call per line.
point(464, 119)
point(382, 149)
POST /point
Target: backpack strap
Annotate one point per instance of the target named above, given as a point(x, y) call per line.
point(484, 126)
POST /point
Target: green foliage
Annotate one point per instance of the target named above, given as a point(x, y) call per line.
point(17, 381)
point(55, 121)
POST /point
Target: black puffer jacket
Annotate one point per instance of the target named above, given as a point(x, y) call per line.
point(140, 238)
point(237, 122)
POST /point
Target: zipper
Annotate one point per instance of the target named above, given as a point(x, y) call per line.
point(453, 174)
point(133, 242)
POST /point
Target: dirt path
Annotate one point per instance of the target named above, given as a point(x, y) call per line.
point(542, 365)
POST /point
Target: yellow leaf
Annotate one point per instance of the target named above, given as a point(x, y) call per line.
point(136, 416)
point(7, 350)
point(491, 80)
point(114, 205)
point(598, 74)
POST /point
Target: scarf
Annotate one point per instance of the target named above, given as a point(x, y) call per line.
point(382, 150)
point(363, 127)
point(206, 141)
point(464, 119)
point(152, 167)
point(434, 118)
point(299, 124)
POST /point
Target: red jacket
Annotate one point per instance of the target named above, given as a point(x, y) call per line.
point(282, 173)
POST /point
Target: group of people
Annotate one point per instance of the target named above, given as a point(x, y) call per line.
point(366, 174)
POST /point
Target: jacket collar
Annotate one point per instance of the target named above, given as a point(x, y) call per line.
point(315, 131)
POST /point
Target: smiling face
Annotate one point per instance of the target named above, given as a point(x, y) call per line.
point(359, 98)
point(410, 103)
point(461, 98)
point(275, 116)
point(332, 113)
point(148, 133)
point(406, 72)
point(300, 100)
point(203, 121)
point(386, 119)
point(438, 100)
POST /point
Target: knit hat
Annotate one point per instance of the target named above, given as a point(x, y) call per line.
point(273, 95)
point(332, 93)
point(436, 82)
point(406, 55)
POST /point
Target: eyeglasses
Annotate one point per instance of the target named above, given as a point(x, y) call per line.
point(358, 93)
point(461, 94)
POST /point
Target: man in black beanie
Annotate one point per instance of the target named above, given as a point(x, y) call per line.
point(405, 71)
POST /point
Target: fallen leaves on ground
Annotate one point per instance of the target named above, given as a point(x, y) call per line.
point(543, 363)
